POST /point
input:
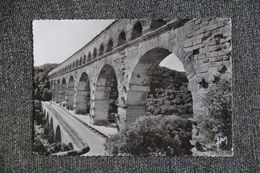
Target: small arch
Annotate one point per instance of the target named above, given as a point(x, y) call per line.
point(51, 132)
point(71, 93)
point(101, 50)
point(95, 53)
point(109, 45)
point(77, 63)
point(121, 38)
point(47, 119)
point(80, 61)
point(157, 23)
point(137, 30)
point(89, 56)
point(73, 66)
point(58, 135)
point(70, 145)
point(84, 59)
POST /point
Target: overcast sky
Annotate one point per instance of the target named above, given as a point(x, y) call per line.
point(57, 40)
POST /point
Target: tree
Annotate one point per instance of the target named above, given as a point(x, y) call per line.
point(153, 135)
point(41, 82)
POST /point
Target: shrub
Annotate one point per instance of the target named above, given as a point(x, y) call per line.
point(218, 101)
point(153, 135)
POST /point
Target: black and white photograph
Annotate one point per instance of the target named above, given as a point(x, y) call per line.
point(132, 87)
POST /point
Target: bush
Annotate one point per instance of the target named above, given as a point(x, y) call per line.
point(153, 135)
point(218, 101)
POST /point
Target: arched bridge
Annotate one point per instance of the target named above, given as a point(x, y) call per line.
point(128, 50)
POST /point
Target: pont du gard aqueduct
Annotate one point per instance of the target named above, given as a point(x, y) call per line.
point(129, 50)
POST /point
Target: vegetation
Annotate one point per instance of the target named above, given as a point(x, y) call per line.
point(218, 101)
point(169, 94)
point(153, 135)
point(41, 82)
point(113, 101)
point(164, 130)
point(43, 143)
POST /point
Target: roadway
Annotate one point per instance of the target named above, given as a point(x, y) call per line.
point(83, 134)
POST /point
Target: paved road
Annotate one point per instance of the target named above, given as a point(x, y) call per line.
point(82, 133)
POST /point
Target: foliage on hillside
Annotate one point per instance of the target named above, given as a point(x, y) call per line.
point(169, 94)
point(41, 82)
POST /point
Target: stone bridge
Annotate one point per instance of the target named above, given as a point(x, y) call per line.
point(128, 50)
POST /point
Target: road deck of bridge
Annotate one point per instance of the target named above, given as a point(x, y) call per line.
point(84, 134)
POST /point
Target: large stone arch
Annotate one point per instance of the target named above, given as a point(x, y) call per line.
point(106, 79)
point(164, 46)
point(139, 84)
point(70, 93)
point(82, 103)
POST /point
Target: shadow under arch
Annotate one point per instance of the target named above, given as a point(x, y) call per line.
point(139, 85)
point(106, 95)
point(70, 93)
point(137, 30)
point(83, 95)
point(58, 135)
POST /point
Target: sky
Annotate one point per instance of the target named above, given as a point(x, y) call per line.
point(56, 40)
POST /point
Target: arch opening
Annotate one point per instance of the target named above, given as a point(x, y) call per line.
point(51, 132)
point(80, 61)
point(89, 56)
point(121, 38)
point(58, 135)
point(156, 90)
point(137, 30)
point(101, 50)
point(84, 59)
point(94, 53)
point(109, 45)
point(83, 95)
point(71, 93)
point(106, 96)
point(63, 91)
point(58, 91)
